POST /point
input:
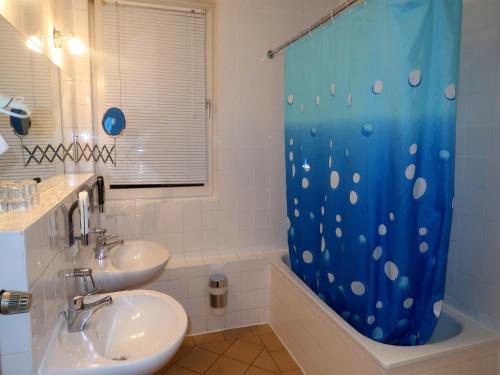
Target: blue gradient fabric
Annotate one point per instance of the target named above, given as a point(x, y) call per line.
point(370, 110)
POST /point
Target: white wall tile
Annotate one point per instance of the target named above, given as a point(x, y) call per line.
point(197, 306)
point(122, 208)
point(175, 245)
point(192, 215)
point(197, 286)
point(175, 273)
point(251, 316)
point(188, 284)
point(193, 244)
point(16, 364)
point(174, 216)
point(153, 214)
point(198, 325)
point(178, 288)
point(233, 319)
point(14, 276)
point(18, 327)
point(215, 323)
point(127, 226)
point(474, 245)
point(234, 301)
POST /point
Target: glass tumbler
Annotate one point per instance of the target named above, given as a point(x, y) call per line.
point(17, 199)
point(31, 193)
point(4, 196)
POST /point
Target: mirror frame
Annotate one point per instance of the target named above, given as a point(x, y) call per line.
point(16, 122)
point(108, 115)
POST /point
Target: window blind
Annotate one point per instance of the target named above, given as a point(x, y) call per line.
point(154, 70)
point(25, 73)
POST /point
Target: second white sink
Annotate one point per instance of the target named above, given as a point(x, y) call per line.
point(129, 265)
point(137, 334)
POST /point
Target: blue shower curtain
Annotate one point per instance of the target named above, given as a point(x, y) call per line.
point(370, 108)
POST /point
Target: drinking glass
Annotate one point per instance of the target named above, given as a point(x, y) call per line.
point(17, 199)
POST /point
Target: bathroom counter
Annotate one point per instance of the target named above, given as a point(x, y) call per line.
point(52, 192)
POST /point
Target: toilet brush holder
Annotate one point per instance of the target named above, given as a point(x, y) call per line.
point(217, 290)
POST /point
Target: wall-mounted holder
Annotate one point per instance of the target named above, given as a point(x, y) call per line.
point(75, 152)
point(217, 291)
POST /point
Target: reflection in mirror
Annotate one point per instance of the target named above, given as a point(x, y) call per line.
point(20, 126)
point(32, 76)
point(113, 122)
point(13, 106)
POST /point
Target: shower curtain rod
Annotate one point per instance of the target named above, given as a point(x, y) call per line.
point(314, 26)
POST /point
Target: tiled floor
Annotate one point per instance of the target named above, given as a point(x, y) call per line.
point(252, 350)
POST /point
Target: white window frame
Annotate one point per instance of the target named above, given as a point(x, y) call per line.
point(99, 109)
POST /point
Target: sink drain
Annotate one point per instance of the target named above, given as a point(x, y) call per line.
point(120, 358)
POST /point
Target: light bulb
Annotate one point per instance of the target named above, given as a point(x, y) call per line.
point(34, 43)
point(75, 46)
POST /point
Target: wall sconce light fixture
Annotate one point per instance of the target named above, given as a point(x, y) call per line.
point(75, 45)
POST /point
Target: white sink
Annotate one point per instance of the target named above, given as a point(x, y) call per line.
point(137, 334)
point(129, 265)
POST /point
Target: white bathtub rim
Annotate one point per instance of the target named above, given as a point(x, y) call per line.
point(471, 336)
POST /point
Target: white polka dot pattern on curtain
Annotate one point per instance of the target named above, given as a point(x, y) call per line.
point(369, 167)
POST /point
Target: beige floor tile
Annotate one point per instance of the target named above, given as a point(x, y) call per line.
point(217, 347)
point(208, 338)
point(198, 359)
point(254, 350)
point(243, 332)
point(284, 361)
point(186, 345)
point(254, 340)
point(265, 361)
point(261, 329)
point(244, 351)
point(178, 355)
point(271, 341)
point(258, 371)
point(187, 342)
point(178, 370)
point(227, 366)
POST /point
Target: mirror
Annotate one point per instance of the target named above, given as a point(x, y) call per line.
point(113, 122)
point(32, 83)
point(20, 126)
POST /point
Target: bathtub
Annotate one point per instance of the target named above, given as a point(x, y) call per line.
point(324, 343)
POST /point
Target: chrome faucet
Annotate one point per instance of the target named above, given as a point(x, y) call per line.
point(102, 245)
point(79, 312)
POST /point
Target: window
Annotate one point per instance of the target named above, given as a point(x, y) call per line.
point(153, 65)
